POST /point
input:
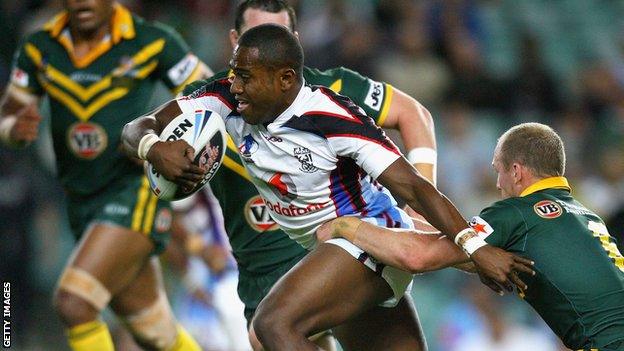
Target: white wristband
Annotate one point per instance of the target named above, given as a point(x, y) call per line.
point(469, 241)
point(422, 155)
point(6, 125)
point(146, 143)
point(473, 244)
point(461, 234)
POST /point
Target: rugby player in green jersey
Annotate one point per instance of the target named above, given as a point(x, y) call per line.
point(578, 288)
point(263, 252)
point(99, 64)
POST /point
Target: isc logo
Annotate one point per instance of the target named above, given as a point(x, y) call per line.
point(547, 209)
point(257, 215)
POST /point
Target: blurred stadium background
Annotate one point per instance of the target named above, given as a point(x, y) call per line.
point(480, 66)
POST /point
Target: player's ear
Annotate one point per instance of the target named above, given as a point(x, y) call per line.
point(288, 78)
point(233, 37)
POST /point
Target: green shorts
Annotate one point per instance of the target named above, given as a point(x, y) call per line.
point(253, 287)
point(127, 203)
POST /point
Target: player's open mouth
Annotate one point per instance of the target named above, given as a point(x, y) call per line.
point(241, 106)
point(84, 15)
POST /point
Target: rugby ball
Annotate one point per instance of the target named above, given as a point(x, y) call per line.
point(204, 130)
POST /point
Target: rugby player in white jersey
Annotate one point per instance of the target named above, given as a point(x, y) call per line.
point(314, 156)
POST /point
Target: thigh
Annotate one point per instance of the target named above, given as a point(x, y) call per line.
point(326, 288)
point(382, 328)
point(112, 254)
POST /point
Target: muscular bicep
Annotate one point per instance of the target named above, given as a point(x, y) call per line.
point(402, 179)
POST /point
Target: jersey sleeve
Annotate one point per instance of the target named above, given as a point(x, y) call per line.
point(26, 63)
point(372, 96)
point(177, 65)
point(500, 225)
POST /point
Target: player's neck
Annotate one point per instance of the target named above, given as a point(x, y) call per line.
point(289, 98)
point(86, 40)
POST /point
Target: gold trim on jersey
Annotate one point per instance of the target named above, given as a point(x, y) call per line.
point(547, 183)
point(149, 214)
point(232, 164)
point(122, 26)
point(236, 167)
point(336, 86)
point(85, 111)
point(137, 214)
point(386, 105)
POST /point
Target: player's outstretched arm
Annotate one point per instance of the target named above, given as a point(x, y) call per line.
point(495, 266)
point(416, 251)
point(19, 117)
point(172, 159)
point(416, 126)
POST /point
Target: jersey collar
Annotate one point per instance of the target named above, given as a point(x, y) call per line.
point(122, 25)
point(547, 183)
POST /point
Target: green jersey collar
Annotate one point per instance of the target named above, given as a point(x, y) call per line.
point(547, 183)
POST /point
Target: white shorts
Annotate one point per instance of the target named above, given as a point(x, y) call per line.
point(399, 281)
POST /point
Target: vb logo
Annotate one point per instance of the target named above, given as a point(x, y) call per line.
point(547, 209)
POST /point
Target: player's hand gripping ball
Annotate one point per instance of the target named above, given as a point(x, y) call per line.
point(204, 130)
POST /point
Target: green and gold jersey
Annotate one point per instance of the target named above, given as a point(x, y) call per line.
point(258, 244)
point(578, 288)
point(93, 96)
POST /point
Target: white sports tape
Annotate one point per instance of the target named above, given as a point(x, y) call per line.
point(422, 155)
point(82, 284)
point(146, 143)
point(473, 244)
point(6, 125)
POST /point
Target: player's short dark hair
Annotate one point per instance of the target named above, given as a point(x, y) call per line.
point(272, 6)
point(534, 145)
point(277, 47)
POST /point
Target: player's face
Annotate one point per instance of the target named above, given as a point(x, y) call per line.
point(504, 179)
point(255, 17)
point(88, 15)
point(255, 87)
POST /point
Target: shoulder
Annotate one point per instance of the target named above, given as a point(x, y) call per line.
point(202, 82)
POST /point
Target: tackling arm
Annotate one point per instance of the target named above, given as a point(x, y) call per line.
point(416, 126)
point(19, 117)
point(416, 251)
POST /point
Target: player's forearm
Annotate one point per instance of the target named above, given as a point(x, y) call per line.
point(406, 250)
point(134, 131)
point(416, 126)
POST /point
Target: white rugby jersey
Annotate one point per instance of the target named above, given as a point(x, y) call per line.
point(316, 161)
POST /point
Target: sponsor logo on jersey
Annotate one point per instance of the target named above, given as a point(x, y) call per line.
point(257, 215)
point(86, 140)
point(247, 148)
point(283, 187)
point(162, 223)
point(183, 69)
point(19, 77)
point(294, 211)
point(116, 209)
point(305, 158)
point(548, 209)
point(483, 228)
point(375, 95)
point(83, 77)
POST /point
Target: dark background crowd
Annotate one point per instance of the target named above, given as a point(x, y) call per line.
point(479, 66)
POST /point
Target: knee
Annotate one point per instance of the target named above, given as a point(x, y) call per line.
point(72, 309)
point(270, 324)
point(154, 327)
